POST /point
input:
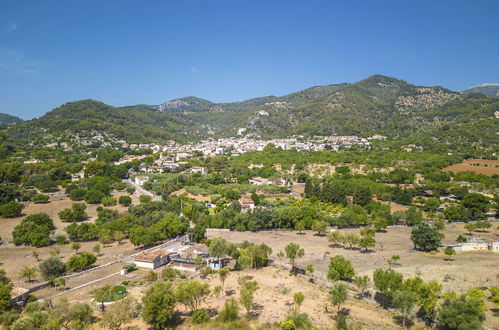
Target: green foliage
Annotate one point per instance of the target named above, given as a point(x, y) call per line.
point(93, 196)
point(477, 205)
point(461, 312)
point(10, 209)
point(125, 200)
point(82, 232)
point(5, 296)
point(340, 269)
point(34, 230)
point(387, 282)
point(293, 252)
point(75, 213)
point(108, 201)
point(81, 261)
point(338, 294)
point(425, 237)
point(230, 311)
point(158, 305)
point(296, 320)
point(404, 302)
point(52, 267)
point(191, 293)
point(200, 316)
point(40, 199)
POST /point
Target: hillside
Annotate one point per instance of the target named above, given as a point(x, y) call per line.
point(88, 118)
point(6, 119)
point(376, 105)
point(491, 90)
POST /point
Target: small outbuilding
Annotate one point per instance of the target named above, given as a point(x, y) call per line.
point(152, 259)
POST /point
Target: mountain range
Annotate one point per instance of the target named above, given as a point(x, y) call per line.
point(6, 119)
point(491, 90)
point(375, 105)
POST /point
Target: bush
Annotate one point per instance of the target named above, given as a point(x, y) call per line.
point(300, 320)
point(52, 267)
point(75, 213)
point(40, 199)
point(81, 261)
point(77, 194)
point(200, 316)
point(93, 197)
point(34, 230)
point(230, 312)
point(10, 210)
point(125, 200)
point(61, 240)
point(144, 199)
point(108, 201)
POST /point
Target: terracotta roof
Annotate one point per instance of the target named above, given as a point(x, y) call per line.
point(151, 255)
point(245, 200)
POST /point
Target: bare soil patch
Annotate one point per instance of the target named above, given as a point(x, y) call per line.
point(480, 166)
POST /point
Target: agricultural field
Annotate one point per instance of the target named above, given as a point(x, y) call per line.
point(480, 166)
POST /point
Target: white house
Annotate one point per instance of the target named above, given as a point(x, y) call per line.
point(152, 259)
point(246, 204)
point(201, 170)
point(140, 180)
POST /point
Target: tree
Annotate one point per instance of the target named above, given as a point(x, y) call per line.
point(335, 237)
point(293, 252)
point(362, 195)
point(119, 313)
point(393, 260)
point(75, 213)
point(96, 249)
point(362, 283)
point(470, 227)
point(320, 227)
point(28, 273)
point(425, 237)
point(404, 302)
point(40, 199)
point(340, 269)
point(230, 312)
point(476, 204)
point(10, 209)
point(460, 312)
point(387, 282)
point(158, 304)
point(73, 316)
point(351, 239)
point(456, 213)
point(431, 204)
point(298, 300)
point(192, 293)
point(81, 261)
point(380, 222)
point(367, 239)
point(5, 296)
point(300, 226)
point(34, 230)
point(449, 252)
point(52, 267)
point(125, 200)
point(255, 198)
point(247, 292)
point(427, 295)
point(223, 273)
point(338, 295)
point(76, 246)
point(35, 255)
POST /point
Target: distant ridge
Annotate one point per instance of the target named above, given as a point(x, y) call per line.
point(489, 89)
point(6, 119)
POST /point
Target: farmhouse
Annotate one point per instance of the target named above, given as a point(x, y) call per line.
point(246, 203)
point(475, 244)
point(140, 180)
point(152, 259)
point(201, 170)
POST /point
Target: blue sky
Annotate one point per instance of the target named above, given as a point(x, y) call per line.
point(129, 52)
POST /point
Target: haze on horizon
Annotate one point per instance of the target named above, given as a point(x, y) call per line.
point(126, 52)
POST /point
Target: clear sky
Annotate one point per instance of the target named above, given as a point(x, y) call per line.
point(126, 52)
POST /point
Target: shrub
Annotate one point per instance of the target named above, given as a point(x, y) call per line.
point(61, 240)
point(34, 230)
point(144, 199)
point(77, 194)
point(40, 199)
point(125, 200)
point(93, 196)
point(230, 312)
point(81, 261)
point(200, 316)
point(108, 201)
point(10, 210)
point(52, 268)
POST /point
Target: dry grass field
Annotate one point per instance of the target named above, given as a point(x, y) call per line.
point(480, 166)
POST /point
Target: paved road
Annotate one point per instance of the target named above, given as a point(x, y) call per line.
point(142, 191)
